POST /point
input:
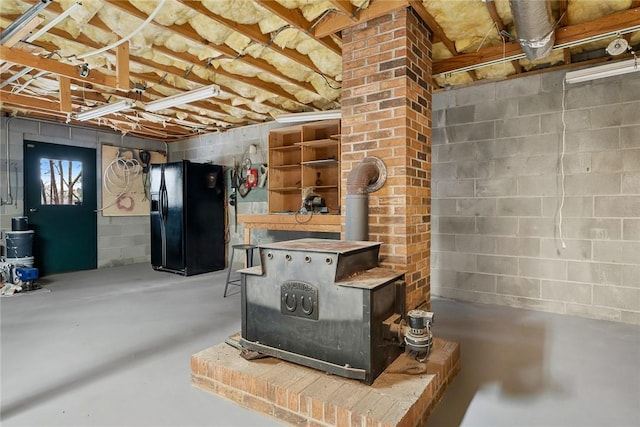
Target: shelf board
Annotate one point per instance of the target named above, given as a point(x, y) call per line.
point(290, 166)
point(336, 137)
point(295, 146)
point(285, 190)
point(320, 143)
point(324, 187)
point(322, 162)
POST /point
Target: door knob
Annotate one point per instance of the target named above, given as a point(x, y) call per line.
point(33, 210)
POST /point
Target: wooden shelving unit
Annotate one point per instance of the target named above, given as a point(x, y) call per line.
point(301, 157)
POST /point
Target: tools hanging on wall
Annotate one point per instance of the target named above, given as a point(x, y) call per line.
point(234, 179)
point(244, 176)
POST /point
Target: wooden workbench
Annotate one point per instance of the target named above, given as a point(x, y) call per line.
point(318, 222)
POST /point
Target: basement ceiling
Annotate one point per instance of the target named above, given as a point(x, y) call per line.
point(268, 57)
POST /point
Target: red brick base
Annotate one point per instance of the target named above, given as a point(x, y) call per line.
point(404, 395)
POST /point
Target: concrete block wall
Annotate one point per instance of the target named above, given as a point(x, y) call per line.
point(497, 187)
point(121, 240)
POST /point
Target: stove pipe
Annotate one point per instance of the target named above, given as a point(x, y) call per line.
point(369, 176)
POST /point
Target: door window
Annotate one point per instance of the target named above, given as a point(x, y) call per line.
point(61, 182)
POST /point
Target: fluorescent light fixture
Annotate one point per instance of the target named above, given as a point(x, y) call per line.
point(309, 117)
point(23, 20)
point(103, 110)
point(183, 98)
point(601, 71)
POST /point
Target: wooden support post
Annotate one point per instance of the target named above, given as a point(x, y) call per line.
point(65, 94)
point(122, 66)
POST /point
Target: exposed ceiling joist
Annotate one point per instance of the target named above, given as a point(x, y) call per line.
point(35, 61)
point(84, 40)
point(501, 28)
point(253, 32)
point(65, 94)
point(22, 32)
point(190, 34)
point(183, 57)
point(345, 7)
point(71, 72)
point(294, 18)
point(436, 29)
point(122, 66)
point(609, 24)
point(166, 68)
point(563, 7)
point(337, 22)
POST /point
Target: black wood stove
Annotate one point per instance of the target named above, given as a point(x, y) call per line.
point(326, 304)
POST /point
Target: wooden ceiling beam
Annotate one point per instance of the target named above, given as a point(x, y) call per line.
point(181, 56)
point(253, 32)
point(345, 7)
point(190, 34)
point(28, 60)
point(433, 25)
point(257, 83)
point(82, 96)
point(122, 66)
point(22, 32)
point(377, 8)
point(39, 108)
point(31, 102)
point(295, 18)
point(563, 20)
point(65, 94)
point(82, 39)
point(497, 20)
point(92, 96)
point(437, 30)
point(573, 33)
point(87, 95)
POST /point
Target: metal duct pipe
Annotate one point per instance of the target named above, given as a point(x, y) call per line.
point(535, 26)
point(369, 176)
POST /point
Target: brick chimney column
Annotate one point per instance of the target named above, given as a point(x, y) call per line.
point(386, 112)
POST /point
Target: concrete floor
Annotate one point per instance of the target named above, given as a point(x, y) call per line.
point(111, 347)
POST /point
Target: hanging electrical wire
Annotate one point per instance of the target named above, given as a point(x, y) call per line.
point(118, 177)
point(328, 83)
point(127, 38)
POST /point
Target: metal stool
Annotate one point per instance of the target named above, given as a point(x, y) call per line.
point(248, 253)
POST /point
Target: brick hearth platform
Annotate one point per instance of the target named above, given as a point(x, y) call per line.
point(404, 395)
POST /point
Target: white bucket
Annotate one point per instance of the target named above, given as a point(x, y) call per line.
point(20, 262)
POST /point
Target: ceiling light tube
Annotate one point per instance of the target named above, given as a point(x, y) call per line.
point(103, 110)
point(17, 25)
point(602, 71)
point(183, 98)
point(309, 117)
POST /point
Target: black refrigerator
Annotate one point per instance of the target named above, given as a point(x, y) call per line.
point(187, 217)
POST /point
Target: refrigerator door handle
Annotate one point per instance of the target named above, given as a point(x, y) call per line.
point(164, 205)
point(163, 208)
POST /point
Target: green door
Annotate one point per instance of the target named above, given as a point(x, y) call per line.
point(61, 202)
